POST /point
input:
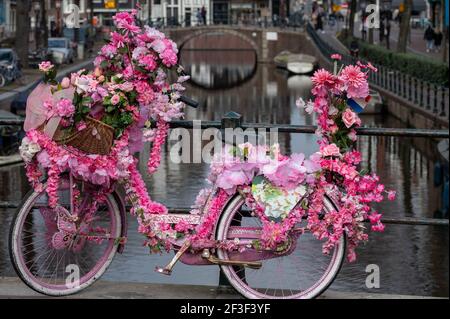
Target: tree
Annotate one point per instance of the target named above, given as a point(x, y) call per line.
point(75, 30)
point(444, 31)
point(351, 23)
point(91, 17)
point(44, 27)
point(405, 27)
point(23, 8)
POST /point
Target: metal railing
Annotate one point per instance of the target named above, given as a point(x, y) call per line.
point(234, 120)
point(428, 97)
point(227, 19)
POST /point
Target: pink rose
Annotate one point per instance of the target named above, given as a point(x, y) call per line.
point(65, 83)
point(352, 135)
point(330, 150)
point(349, 118)
point(336, 57)
point(115, 99)
point(46, 66)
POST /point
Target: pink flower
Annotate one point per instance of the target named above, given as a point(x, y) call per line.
point(148, 61)
point(378, 227)
point(65, 83)
point(336, 56)
point(228, 180)
point(100, 177)
point(330, 150)
point(118, 40)
point(115, 99)
point(391, 195)
point(374, 218)
point(65, 108)
point(46, 66)
point(354, 81)
point(108, 50)
point(350, 118)
point(169, 58)
point(98, 72)
point(80, 126)
point(371, 67)
point(352, 136)
point(44, 159)
point(323, 81)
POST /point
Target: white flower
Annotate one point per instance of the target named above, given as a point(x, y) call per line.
point(158, 46)
point(308, 106)
point(333, 111)
point(153, 33)
point(138, 52)
point(28, 149)
point(300, 103)
point(82, 83)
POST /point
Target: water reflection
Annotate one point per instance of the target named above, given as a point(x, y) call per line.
point(412, 259)
point(218, 69)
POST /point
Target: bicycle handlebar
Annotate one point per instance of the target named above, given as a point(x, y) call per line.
point(188, 101)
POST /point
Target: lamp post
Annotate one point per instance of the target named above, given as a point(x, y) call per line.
point(58, 17)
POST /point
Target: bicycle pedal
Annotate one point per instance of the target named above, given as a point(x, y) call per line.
point(163, 271)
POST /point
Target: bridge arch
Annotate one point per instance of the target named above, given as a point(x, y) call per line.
point(208, 30)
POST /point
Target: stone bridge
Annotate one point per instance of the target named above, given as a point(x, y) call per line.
point(265, 42)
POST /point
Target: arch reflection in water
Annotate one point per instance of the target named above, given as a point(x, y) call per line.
point(219, 69)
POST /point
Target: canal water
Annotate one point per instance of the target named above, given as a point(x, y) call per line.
point(412, 259)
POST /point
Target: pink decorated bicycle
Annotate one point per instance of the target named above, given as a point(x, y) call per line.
point(278, 226)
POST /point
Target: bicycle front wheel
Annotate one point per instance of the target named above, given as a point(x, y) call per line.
point(52, 259)
point(304, 273)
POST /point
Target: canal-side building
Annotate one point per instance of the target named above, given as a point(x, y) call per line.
point(248, 11)
point(180, 12)
point(7, 18)
point(104, 10)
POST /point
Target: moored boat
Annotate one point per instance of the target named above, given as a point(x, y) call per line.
point(296, 63)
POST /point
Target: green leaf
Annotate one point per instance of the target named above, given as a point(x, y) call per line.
point(86, 100)
point(104, 64)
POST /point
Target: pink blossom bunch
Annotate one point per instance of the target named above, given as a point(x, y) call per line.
point(228, 170)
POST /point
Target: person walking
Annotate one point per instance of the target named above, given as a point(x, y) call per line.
point(319, 19)
point(199, 16)
point(429, 38)
point(203, 13)
point(438, 40)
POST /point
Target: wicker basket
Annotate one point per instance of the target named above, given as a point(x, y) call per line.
point(96, 138)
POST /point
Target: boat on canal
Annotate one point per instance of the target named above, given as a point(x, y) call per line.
point(296, 63)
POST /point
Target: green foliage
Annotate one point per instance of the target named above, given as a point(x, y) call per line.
point(415, 65)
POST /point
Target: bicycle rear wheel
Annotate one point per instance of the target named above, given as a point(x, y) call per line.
point(302, 274)
point(59, 262)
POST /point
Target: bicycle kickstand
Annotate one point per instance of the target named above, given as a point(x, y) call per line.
point(167, 270)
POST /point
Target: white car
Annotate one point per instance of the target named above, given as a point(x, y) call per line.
point(61, 50)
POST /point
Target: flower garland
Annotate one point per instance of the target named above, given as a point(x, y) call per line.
point(162, 130)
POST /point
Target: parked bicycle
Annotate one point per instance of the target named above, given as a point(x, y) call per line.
point(264, 218)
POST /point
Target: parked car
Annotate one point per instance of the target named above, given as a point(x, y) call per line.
point(61, 50)
point(10, 69)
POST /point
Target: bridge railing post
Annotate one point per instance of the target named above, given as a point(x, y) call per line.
point(230, 120)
